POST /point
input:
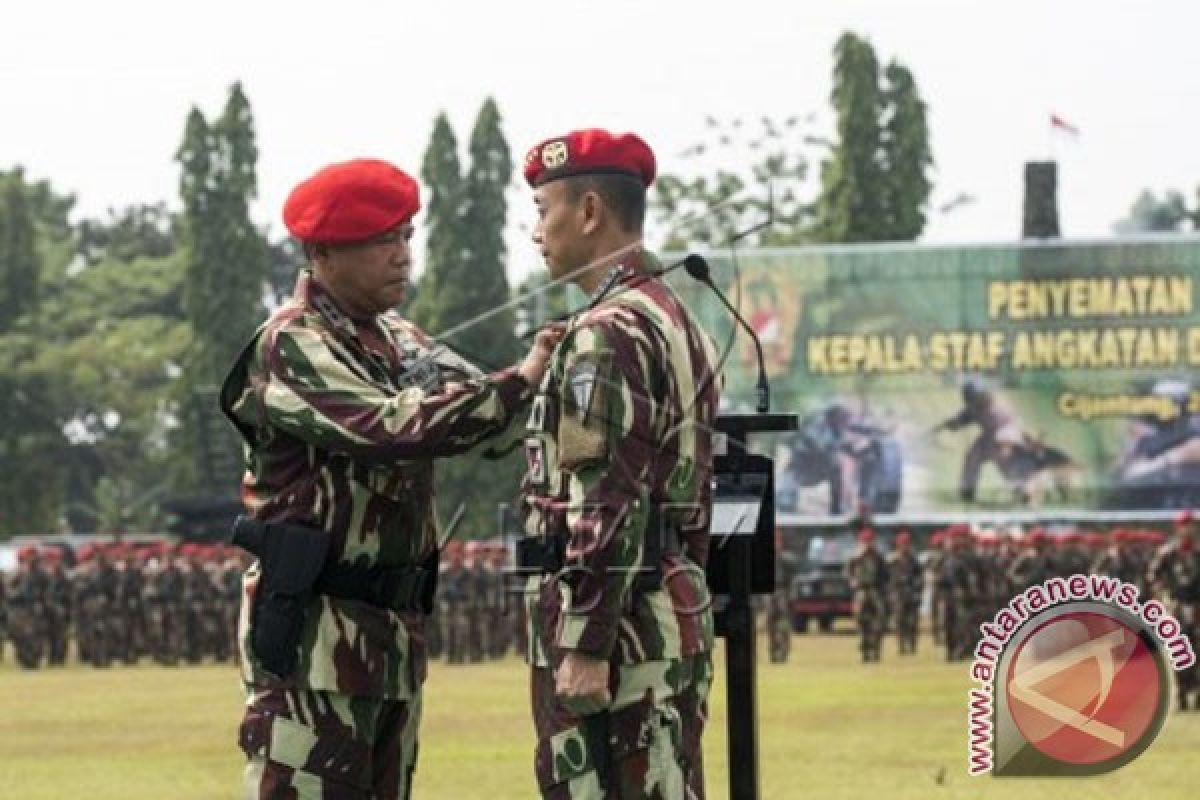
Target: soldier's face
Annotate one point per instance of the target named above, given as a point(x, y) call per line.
point(368, 277)
point(562, 228)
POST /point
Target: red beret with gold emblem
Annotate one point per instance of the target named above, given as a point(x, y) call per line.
point(590, 152)
point(351, 201)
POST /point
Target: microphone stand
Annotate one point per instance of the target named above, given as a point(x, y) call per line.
point(743, 565)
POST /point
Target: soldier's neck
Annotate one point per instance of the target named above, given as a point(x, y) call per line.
point(611, 251)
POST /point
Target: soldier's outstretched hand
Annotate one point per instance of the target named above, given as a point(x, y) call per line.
point(533, 366)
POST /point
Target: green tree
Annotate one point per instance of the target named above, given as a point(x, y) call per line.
point(20, 267)
point(462, 286)
point(227, 261)
point(137, 231)
point(907, 156)
point(875, 182)
point(30, 442)
point(1150, 214)
point(851, 207)
point(442, 175)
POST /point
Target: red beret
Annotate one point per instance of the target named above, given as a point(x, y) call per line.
point(350, 201)
point(866, 535)
point(903, 537)
point(590, 152)
point(1185, 517)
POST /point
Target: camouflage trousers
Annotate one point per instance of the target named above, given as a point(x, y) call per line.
point(645, 747)
point(871, 617)
point(906, 610)
point(307, 745)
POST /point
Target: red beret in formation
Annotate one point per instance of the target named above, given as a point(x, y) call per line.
point(350, 201)
point(866, 535)
point(590, 152)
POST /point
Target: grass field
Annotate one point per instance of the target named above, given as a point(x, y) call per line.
point(829, 728)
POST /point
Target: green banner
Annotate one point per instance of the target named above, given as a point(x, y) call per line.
point(1050, 376)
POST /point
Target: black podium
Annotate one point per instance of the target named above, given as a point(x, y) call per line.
point(741, 563)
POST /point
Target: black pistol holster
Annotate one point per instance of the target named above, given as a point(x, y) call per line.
point(294, 561)
point(292, 557)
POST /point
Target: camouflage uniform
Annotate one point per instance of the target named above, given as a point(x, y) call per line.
point(128, 607)
point(779, 617)
point(619, 436)
point(475, 604)
point(58, 612)
point(906, 582)
point(868, 576)
point(26, 620)
point(341, 439)
point(97, 627)
point(937, 555)
point(162, 600)
point(961, 587)
point(452, 605)
point(1119, 562)
point(1032, 567)
point(1175, 575)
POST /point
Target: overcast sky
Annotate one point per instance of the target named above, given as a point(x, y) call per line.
point(93, 96)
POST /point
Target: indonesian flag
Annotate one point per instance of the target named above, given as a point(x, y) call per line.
point(1059, 124)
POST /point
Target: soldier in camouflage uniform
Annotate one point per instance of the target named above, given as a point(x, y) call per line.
point(1118, 559)
point(868, 576)
point(27, 614)
point(779, 616)
point(1035, 565)
point(128, 606)
point(501, 605)
point(228, 578)
point(937, 602)
point(475, 603)
point(343, 405)
point(906, 582)
point(1071, 558)
point(57, 607)
point(452, 599)
point(1174, 575)
point(617, 493)
point(98, 627)
point(959, 579)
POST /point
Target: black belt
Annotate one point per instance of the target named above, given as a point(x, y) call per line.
point(547, 554)
point(396, 588)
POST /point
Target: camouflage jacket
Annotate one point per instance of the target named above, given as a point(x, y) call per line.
point(906, 579)
point(621, 425)
point(340, 436)
point(867, 571)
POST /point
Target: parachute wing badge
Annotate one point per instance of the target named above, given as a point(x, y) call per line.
point(583, 429)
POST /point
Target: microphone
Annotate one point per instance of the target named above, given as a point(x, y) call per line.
point(697, 267)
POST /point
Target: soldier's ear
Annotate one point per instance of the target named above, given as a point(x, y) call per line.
point(592, 211)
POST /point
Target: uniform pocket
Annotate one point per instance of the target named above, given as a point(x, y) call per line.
point(333, 755)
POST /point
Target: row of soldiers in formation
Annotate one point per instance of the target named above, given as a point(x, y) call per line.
point(888, 591)
point(175, 604)
point(122, 602)
point(971, 575)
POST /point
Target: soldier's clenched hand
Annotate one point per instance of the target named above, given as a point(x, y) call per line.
point(533, 366)
point(581, 684)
